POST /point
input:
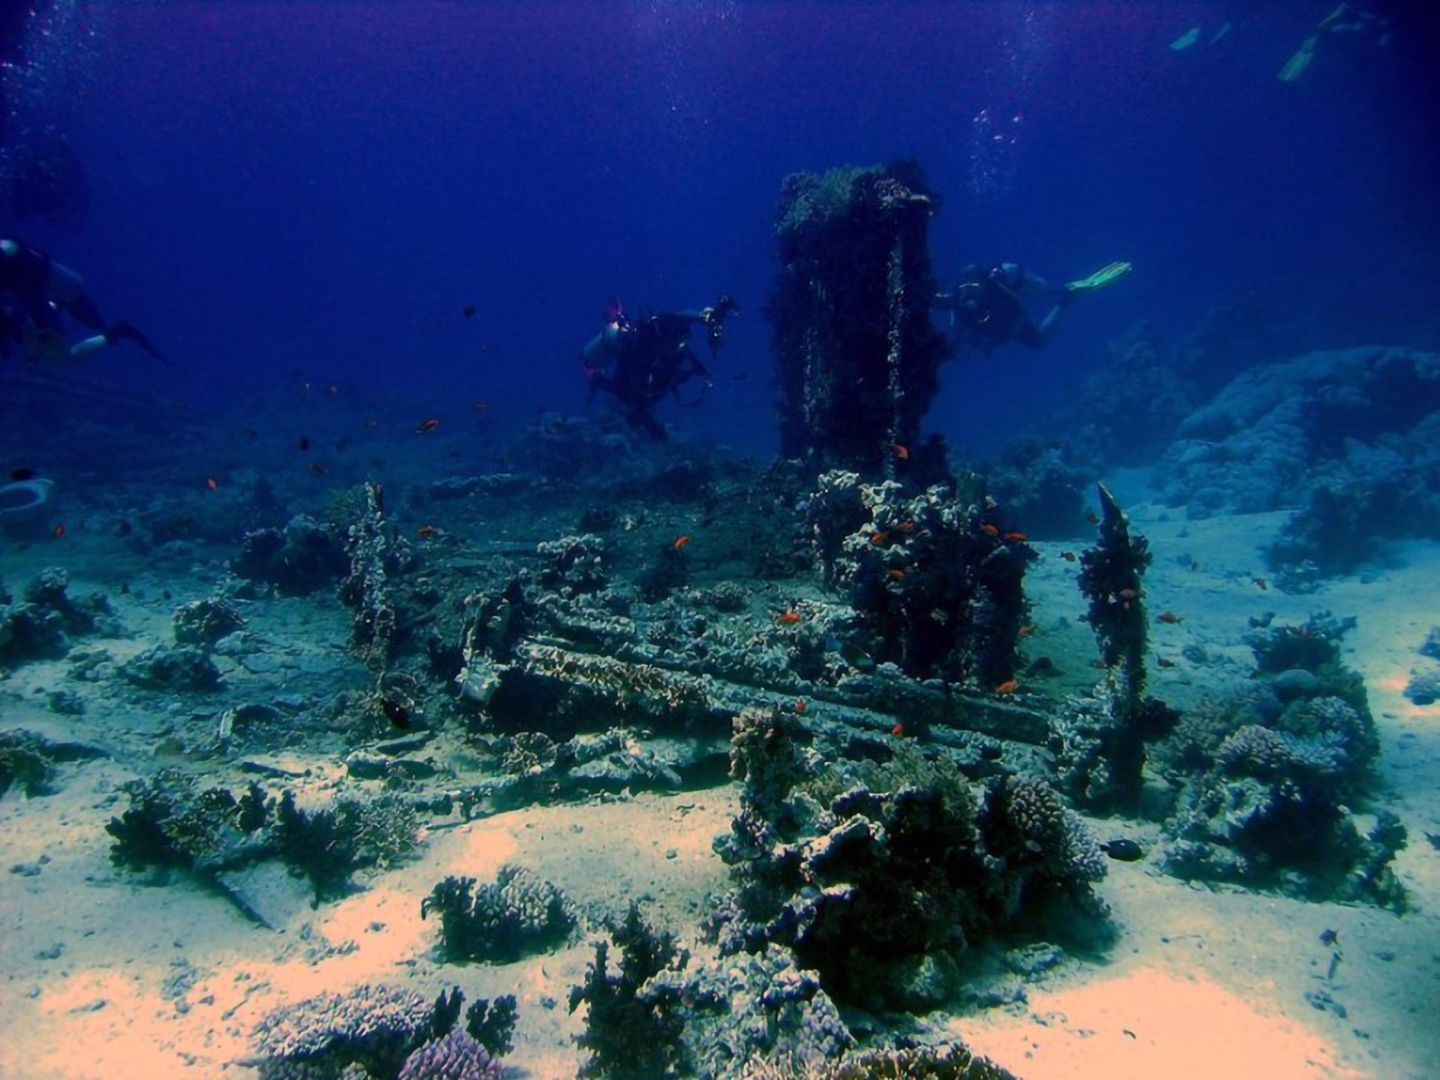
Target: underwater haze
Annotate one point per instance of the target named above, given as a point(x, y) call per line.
point(324, 186)
point(657, 538)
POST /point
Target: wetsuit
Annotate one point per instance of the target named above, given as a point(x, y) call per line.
point(988, 310)
point(650, 359)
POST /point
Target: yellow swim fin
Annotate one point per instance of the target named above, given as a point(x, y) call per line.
point(1104, 276)
point(1296, 65)
point(1185, 40)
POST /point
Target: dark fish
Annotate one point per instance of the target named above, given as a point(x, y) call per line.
point(1329, 937)
point(303, 443)
point(24, 472)
point(397, 714)
point(1434, 839)
point(469, 311)
point(1123, 850)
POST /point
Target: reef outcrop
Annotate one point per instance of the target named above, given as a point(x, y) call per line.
point(1347, 440)
point(1268, 775)
point(857, 349)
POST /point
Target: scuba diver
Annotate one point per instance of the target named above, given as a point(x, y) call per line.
point(988, 308)
point(641, 362)
point(34, 290)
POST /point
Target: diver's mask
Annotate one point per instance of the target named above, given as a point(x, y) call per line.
point(618, 332)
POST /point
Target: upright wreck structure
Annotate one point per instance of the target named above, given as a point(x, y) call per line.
point(858, 354)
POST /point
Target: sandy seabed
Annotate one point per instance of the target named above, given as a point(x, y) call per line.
point(102, 976)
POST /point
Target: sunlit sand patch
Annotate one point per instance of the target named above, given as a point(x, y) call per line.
point(131, 1034)
point(484, 851)
point(1151, 1024)
point(356, 919)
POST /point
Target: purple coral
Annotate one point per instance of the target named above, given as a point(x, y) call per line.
point(455, 1057)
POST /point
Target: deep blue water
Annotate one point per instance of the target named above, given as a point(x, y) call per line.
point(305, 191)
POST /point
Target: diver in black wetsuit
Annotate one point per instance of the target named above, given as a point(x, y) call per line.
point(34, 290)
point(642, 362)
point(988, 307)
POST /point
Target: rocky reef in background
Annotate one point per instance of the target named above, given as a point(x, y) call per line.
point(1349, 440)
point(1346, 440)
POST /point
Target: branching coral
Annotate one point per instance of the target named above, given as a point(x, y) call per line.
point(24, 761)
point(455, 1056)
point(174, 823)
point(1041, 845)
point(629, 1036)
point(373, 1027)
point(500, 922)
point(949, 1061)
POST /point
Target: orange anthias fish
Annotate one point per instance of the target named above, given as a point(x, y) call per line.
point(897, 574)
point(879, 537)
point(480, 405)
point(900, 451)
point(898, 729)
point(1027, 630)
point(211, 483)
point(989, 530)
point(426, 531)
point(1092, 518)
point(905, 526)
point(788, 618)
point(681, 541)
point(1009, 686)
point(59, 531)
point(1169, 617)
point(801, 707)
point(1016, 537)
point(426, 426)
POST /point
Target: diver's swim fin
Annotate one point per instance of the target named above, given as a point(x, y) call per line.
point(1296, 65)
point(120, 330)
point(1185, 40)
point(1104, 276)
